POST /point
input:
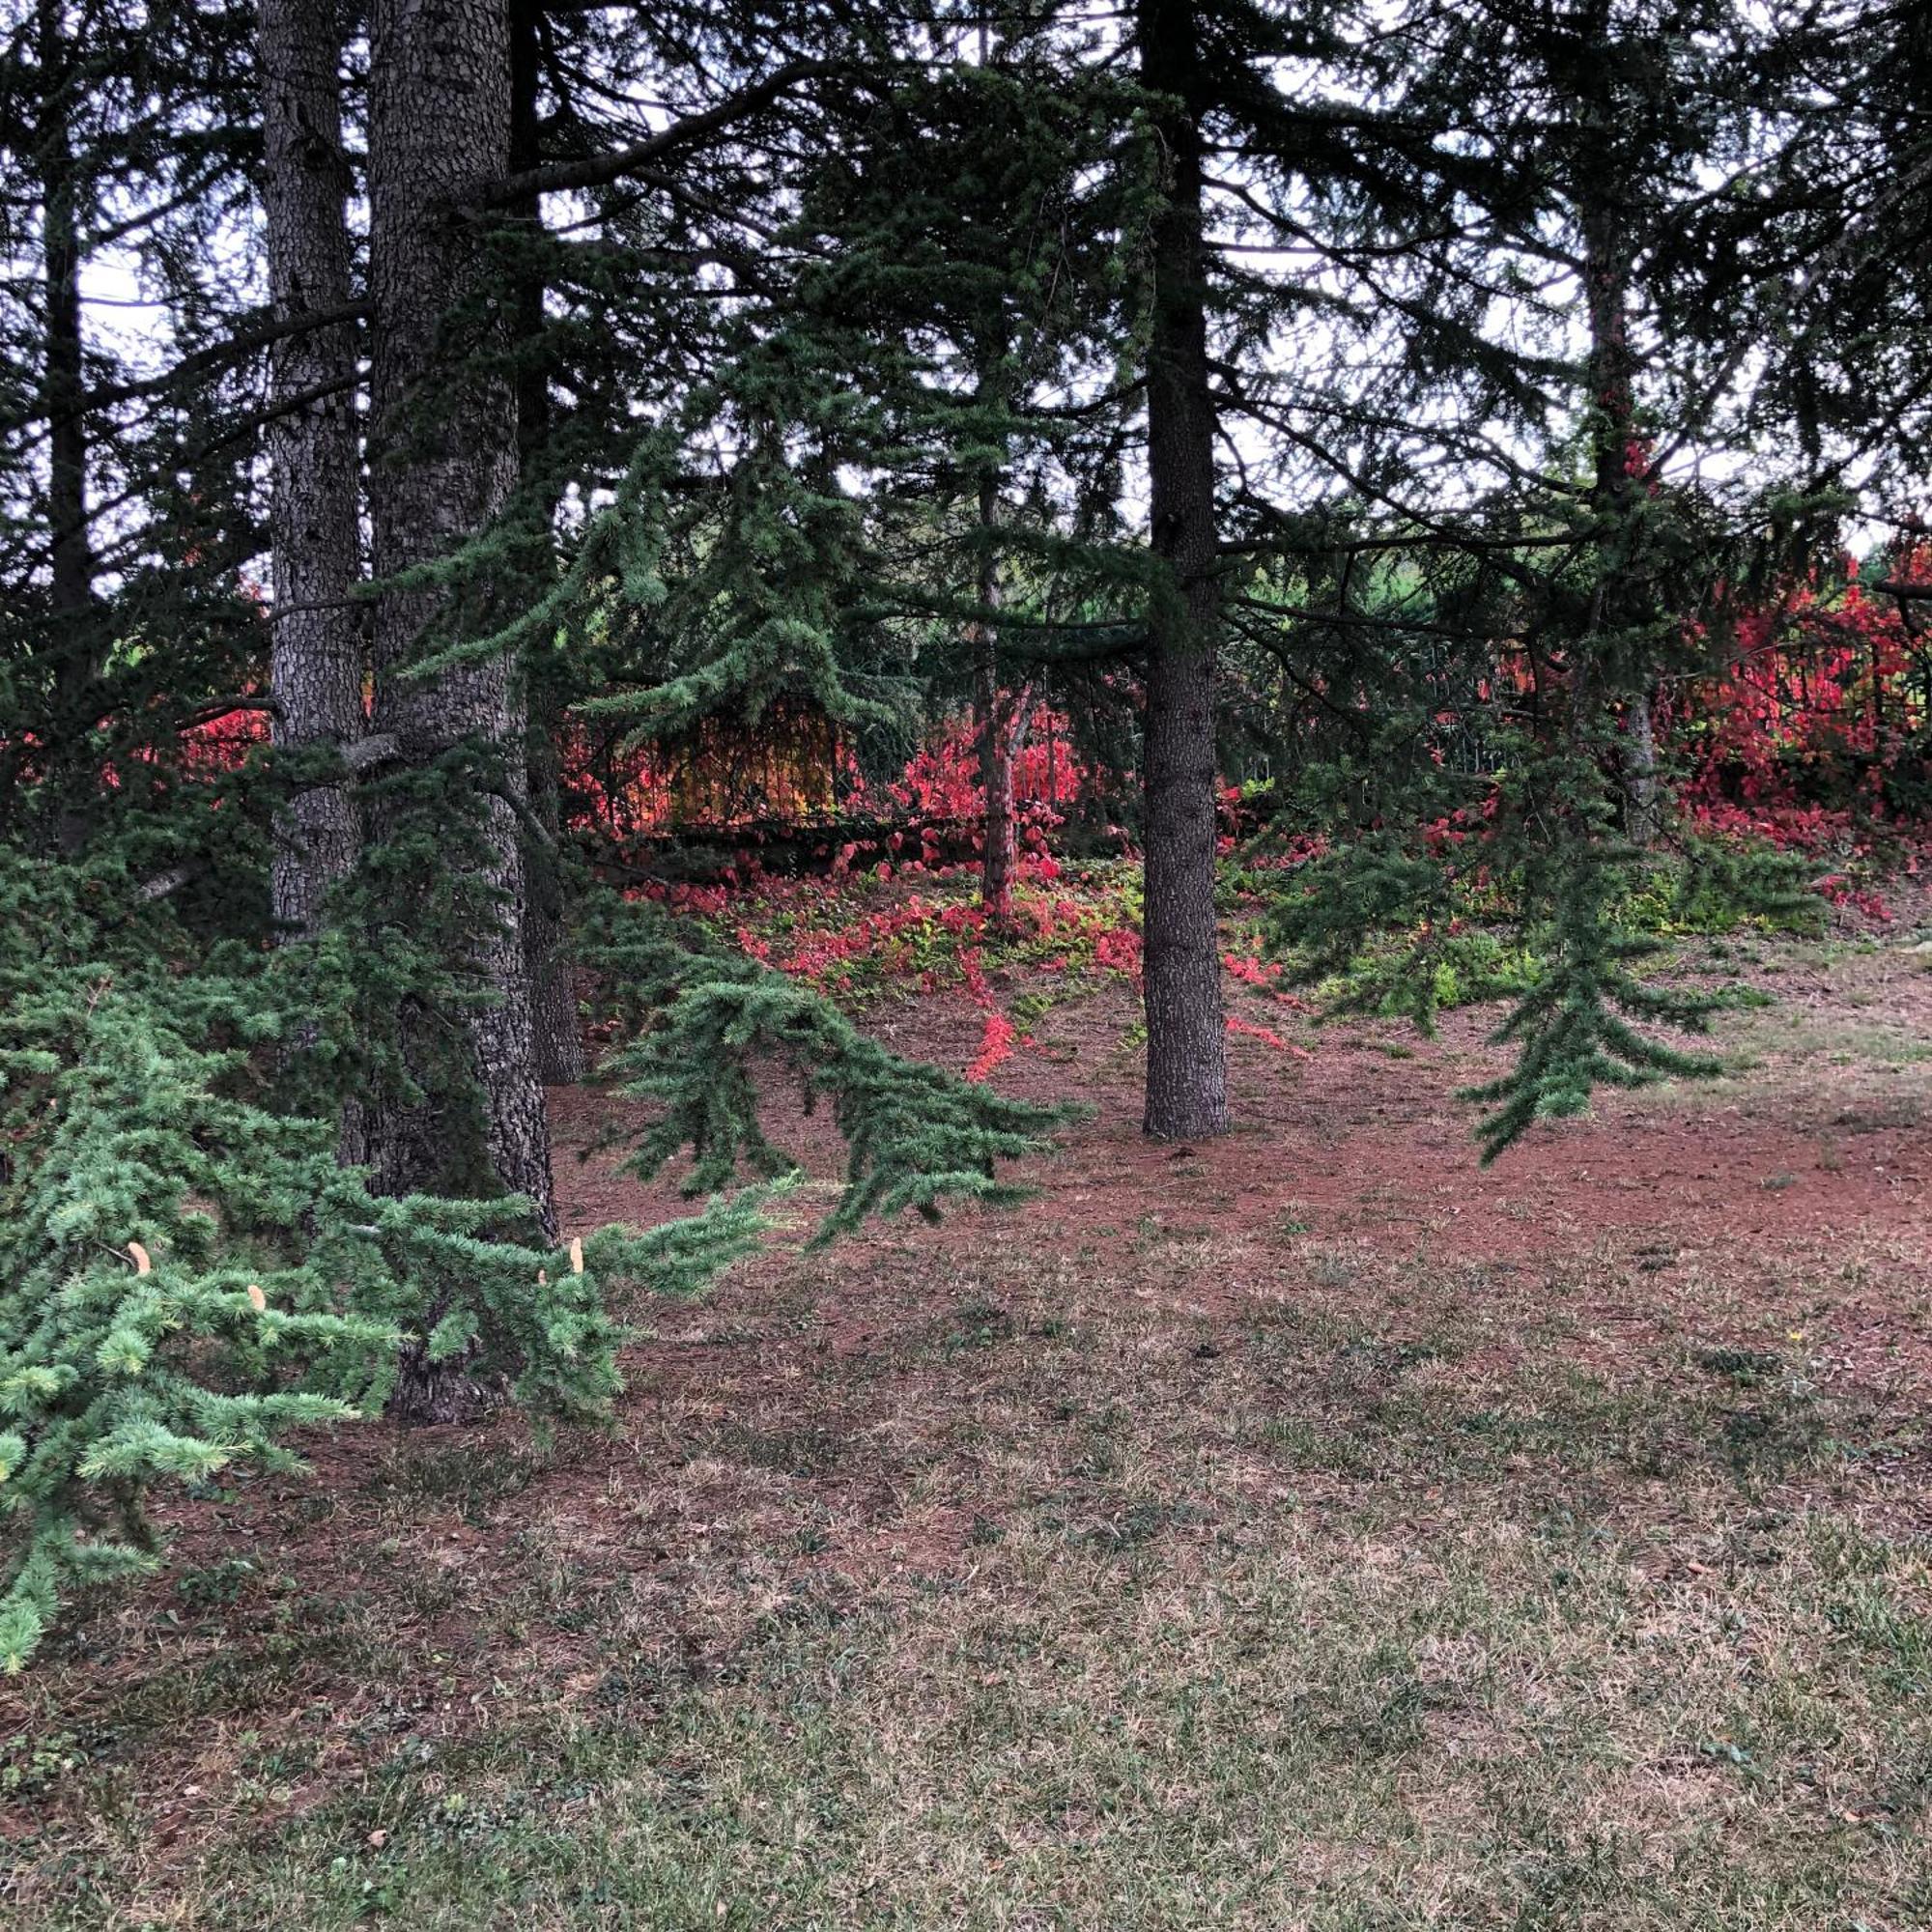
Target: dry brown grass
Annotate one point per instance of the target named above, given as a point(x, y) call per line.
point(1307, 1532)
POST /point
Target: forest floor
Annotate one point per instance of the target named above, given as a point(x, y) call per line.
point(1304, 1529)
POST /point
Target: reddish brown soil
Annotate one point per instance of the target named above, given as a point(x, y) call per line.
point(1808, 1155)
point(1787, 1203)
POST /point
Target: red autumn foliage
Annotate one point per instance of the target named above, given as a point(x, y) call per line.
point(792, 768)
point(1240, 1028)
point(788, 766)
point(1821, 709)
point(996, 1045)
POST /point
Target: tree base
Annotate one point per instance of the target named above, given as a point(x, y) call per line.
point(430, 1392)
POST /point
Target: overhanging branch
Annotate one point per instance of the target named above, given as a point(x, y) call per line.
point(600, 170)
point(215, 358)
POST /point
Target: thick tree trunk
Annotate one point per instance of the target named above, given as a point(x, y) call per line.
point(1624, 603)
point(559, 1026)
point(1187, 1069)
point(442, 464)
point(72, 560)
point(315, 668)
point(1000, 854)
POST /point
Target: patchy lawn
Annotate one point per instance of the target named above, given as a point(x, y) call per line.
point(1306, 1529)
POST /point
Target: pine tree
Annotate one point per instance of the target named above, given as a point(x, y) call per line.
point(1600, 568)
point(554, 1019)
point(122, 157)
point(316, 664)
point(71, 566)
point(966, 233)
point(1804, 260)
point(442, 462)
point(1187, 1073)
point(190, 1273)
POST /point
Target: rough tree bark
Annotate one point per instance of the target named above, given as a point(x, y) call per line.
point(63, 386)
point(1187, 1070)
point(558, 1026)
point(1643, 794)
point(442, 464)
point(72, 560)
point(315, 666)
point(1618, 447)
point(1002, 733)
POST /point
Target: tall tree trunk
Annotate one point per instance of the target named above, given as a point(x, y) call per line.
point(64, 381)
point(996, 716)
point(1623, 603)
point(559, 1035)
point(1004, 717)
point(442, 466)
point(1187, 1068)
point(315, 667)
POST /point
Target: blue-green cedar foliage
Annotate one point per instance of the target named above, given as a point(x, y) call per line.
point(703, 1021)
point(187, 1274)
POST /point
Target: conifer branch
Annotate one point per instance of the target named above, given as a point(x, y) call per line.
point(600, 170)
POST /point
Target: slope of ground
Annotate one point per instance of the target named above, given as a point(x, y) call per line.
point(1308, 1529)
